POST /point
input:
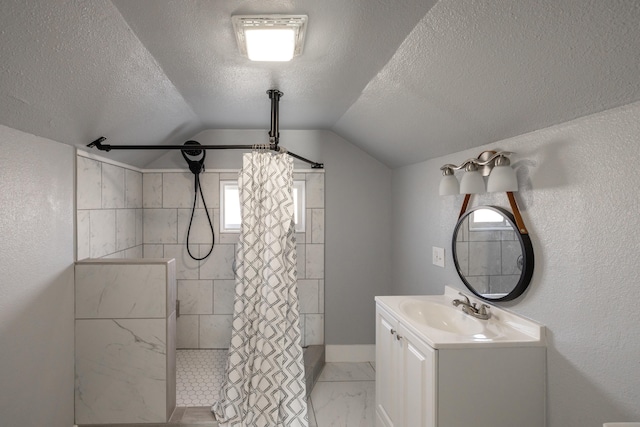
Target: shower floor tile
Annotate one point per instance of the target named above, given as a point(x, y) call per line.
point(199, 376)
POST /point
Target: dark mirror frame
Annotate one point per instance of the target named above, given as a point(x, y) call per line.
point(525, 246)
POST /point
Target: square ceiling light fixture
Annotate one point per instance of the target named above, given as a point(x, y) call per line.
point(270, 37)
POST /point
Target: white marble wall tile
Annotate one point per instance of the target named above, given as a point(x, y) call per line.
point(314, 263)
point(317, 226)
point(112, 187)
point(348, 403)
point(177, 190)
point(152, 190)
point(315, 190)
point(196, 296)
point(210, 183)
point(120, 371)
point(215, 331)
point(462, 253)
point(89, 183)
point(321, 296)
point(233, 176)
point(308, 295)
point(309, 221)
point(301, 238)
point(160, 226)
point(187, 331)
point(301, 257)
point(219, 265)
point(314, 329)
point(135, 252)
point(511, 251)
point(153, 251)
point(83, 234)
point(484, 258)
point(200, 227)
point(125, 229)
point(479, 283)
point(133, 189)
point(139, 226)
point(186, 267)
point(223, 296)
point(502, 284)
point(103, 232)
point(120, 290)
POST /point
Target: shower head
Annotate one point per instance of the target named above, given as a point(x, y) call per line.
point(195, 165)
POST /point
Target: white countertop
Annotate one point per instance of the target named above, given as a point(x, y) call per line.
point(502, 329)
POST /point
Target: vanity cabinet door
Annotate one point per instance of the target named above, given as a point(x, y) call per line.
point(419, 381)
point(388, 350)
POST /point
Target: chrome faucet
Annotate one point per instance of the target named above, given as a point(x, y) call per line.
point(472, 309)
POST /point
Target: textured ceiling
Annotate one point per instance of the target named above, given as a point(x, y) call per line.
point(404, 80)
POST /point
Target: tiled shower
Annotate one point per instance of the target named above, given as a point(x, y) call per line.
point(125, 212)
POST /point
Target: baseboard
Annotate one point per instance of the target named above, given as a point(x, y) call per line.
point(350, 353)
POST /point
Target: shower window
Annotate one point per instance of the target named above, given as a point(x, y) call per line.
point(230, 206)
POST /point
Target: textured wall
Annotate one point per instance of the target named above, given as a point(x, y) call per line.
point(36, 289)
point(582, 214)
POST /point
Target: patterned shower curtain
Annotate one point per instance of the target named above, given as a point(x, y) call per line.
point(264, 384)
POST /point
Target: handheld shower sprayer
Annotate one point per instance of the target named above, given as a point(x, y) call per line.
point(196, 166)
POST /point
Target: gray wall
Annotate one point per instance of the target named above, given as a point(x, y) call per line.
point(36, 285)
point(579, 198)
point(357, 221)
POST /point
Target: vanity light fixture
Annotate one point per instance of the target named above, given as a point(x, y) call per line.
point(275, 38)
point(502, 177)
point(496, 165)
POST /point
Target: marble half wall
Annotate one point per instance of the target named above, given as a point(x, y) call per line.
point(125, 341)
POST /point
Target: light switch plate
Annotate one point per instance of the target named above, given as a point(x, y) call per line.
point(438, 256)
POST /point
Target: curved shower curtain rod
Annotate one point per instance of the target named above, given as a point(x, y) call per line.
point(274, 137)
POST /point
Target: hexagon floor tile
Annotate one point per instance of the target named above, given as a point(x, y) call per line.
point(199, 376)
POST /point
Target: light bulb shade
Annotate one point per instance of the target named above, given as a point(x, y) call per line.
point(472, 183)
point(270, 37)
point(502, 178)
point(270, 44)
point(449, 186)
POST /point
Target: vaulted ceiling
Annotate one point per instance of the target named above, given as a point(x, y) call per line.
point(404, 80)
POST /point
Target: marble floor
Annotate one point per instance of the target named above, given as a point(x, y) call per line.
point(344, 394)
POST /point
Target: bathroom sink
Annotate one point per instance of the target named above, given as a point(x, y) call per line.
point(442, 325)
point(442, 317)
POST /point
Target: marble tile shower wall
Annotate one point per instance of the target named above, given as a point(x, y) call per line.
point(206, 288)
point(124, 213)
point(109, 210)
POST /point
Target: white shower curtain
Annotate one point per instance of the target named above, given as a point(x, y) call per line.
point(264, 384)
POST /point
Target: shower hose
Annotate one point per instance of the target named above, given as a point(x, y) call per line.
point(198, 187)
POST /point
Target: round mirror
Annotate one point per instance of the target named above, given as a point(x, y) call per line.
point(493, 259)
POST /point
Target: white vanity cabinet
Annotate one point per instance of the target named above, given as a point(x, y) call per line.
point(422, 383)
point(405, 375)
